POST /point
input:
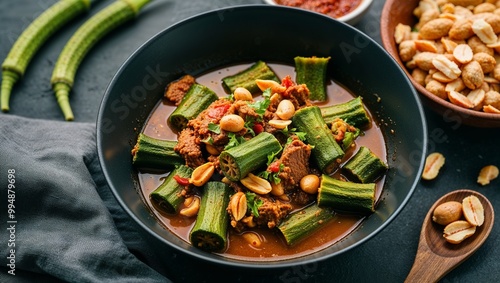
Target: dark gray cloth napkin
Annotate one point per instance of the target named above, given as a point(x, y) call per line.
point(65, 222)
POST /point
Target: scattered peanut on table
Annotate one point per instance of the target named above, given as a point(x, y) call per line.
point(487, 174)
point(454, 51)
point(433, 164)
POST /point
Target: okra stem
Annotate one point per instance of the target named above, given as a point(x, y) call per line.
point(82, 41)
point(32, 38)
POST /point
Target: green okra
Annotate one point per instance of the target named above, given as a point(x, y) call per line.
point(197, 99)
point(303, 223)
point(82, 41)
point(156, 154)
point(365, 166)
point(352, 111)
point(326, 152)
point(246, 78)
point(346, 196)
point(210, 230)
point(240, 160)
point(311, 71)
point(168, 195)
point(32, 38)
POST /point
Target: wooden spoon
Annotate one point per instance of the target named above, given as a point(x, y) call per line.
point(435, 256)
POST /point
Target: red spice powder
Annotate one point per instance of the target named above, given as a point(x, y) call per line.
point(332, 8)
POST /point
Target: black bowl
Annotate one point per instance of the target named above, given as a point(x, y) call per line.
point(275, 34)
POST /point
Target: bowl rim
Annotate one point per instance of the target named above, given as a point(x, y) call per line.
point(217, 259)
point(389, 44)
point(360, 9)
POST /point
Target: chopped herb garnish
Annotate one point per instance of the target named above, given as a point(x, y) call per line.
point(261, 105)
point(249, 124)
point(253, 203)
point(214, 128)
point(271, 156)
point(208, 140)
point(234, 140)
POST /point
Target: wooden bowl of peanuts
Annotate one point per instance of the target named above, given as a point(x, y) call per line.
point(451, 52)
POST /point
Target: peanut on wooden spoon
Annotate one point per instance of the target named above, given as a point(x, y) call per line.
point(436, 256)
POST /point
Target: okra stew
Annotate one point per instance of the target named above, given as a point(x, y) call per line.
point(261, 161)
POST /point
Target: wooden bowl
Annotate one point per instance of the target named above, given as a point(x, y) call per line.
point(395, 12)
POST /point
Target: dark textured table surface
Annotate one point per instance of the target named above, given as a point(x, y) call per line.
point(387, 257)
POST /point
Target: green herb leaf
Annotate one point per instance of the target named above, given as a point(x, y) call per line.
point(208, 140)
point(249, 125)
point(271, 156)
point(214, 128)
point(253, 203)
point(261, 105)
point(234, 140)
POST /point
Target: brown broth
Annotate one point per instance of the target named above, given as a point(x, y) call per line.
point(273, 246)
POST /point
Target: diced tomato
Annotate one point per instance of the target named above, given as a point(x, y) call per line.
point(274, 167)
point(258, 128)
point(287, 82)
point(218, 111)
point(181, 180)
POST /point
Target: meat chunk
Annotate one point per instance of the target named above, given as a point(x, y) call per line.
point(271, 212)
point(176, 90)
point(295, 158)
point(299, 95)
point(188, 146)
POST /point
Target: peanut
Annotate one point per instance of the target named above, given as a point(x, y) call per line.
point(463, 53)
point(437, 88)
point(461, 29)
point(435, 29)
point(310, 184)
point(492, 98)
point(256, 184)
point(402, 33)
point(460, 100)
point(476, 97)
point(487, 174)
point(484, 8)
point(433, 164)
point(238, 205)
point(192, 209)
point(407, 49)
point(253, 239)
point(473, 210)
point(448, 67)
point(285, 109)
point(241, 93)
point(202, 174)
point(484, 31)
point(424, 60)
point(491, 109)
point(277, 189)
point(274, 86)
point(232, 123)
point(486, 61)
point(472, 75)
point(426, 45)
point(447, 212)
point(448, 45)
point(458, 231)
point(279, 124)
